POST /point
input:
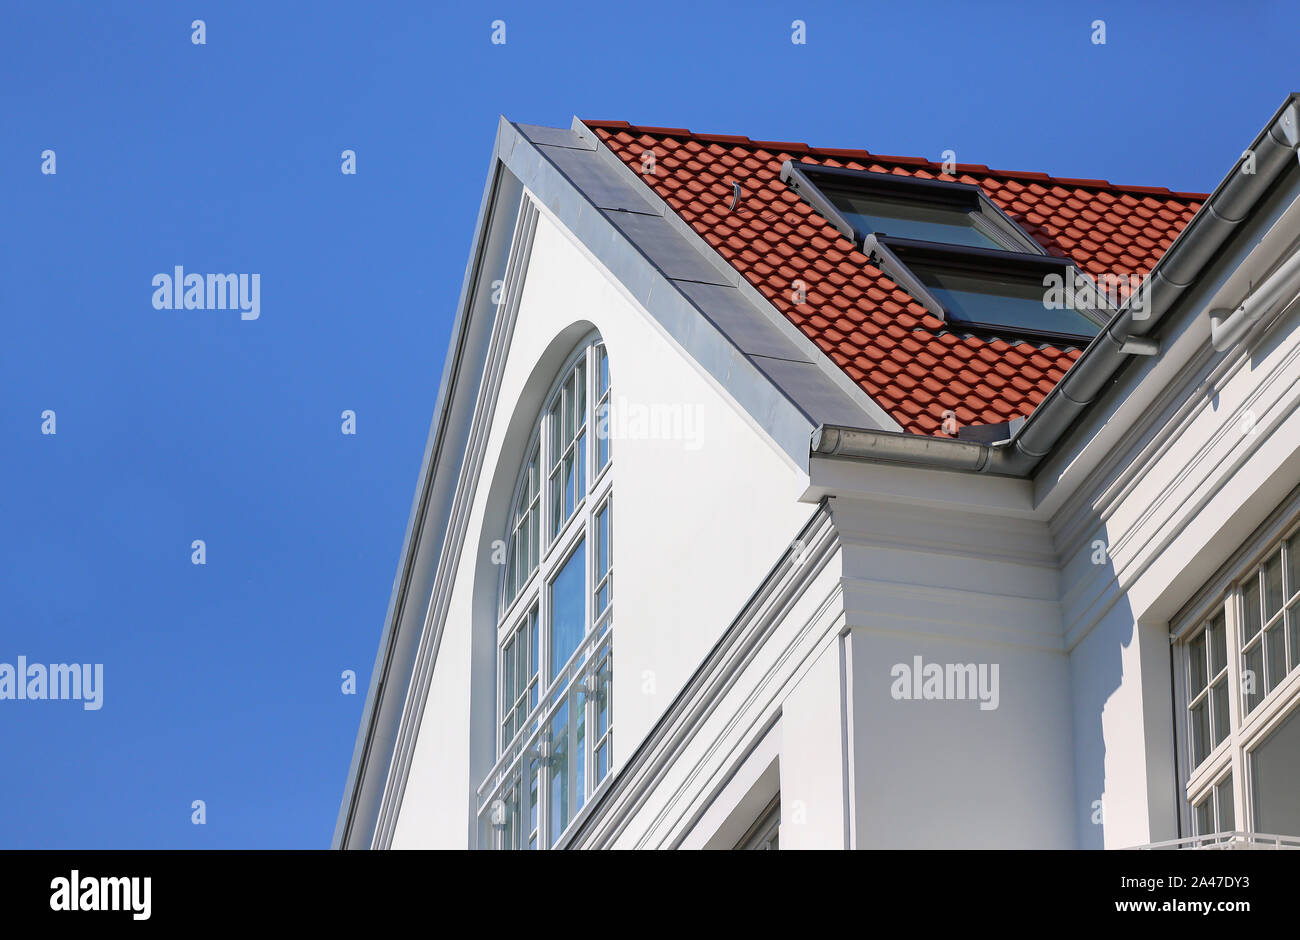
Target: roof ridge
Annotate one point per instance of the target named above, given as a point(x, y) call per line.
point(835, 153)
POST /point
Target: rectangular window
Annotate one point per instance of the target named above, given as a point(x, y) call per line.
point(1276, 778)
point(995, 291)
point(1207, 689)
point(525, 532)
point(602, 409)
point(518, 677)
point(909, 218)
point(1214, 813)
point(604, 577)
point(568, 472)
point(604, 717)
point(981, 299)
point(1251, 625)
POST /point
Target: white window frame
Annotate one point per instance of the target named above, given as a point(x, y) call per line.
point(1233, 756)
point(500, 819)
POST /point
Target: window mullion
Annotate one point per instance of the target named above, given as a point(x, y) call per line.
point(1232, 626)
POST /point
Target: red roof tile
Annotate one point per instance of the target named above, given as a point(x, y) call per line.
point(872, 329)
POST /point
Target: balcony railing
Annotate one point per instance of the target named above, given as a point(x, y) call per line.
point(1229, 840)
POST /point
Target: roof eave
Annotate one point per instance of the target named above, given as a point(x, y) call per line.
point(1196, 246)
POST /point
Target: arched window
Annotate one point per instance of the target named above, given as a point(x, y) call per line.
point(554, 719)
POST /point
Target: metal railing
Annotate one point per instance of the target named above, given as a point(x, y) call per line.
point(581, 665)
point(1228, 840)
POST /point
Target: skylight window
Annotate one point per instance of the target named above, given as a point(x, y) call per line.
point(1001, 292)
point(948, 246)
point(928, 221)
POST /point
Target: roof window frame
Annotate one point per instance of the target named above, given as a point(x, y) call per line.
point(1020, 255)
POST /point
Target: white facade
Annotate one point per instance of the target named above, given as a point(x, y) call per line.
point(772, 604)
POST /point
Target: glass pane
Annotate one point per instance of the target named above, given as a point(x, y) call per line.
point(1200, 731)
point(568, 616)
point(603, 373)
point(602, 699)
point(1293, 565)
point(1223, 797)
point(1196, 660)
point(1276, 770)
point(580, 410)
point(1275, 655)
point(993, 300)
point(557, 504)
point(570, 409)
point(1293, 628)
point(532, 643)
point(1204, 815)
point(532, 804)
point(532, 537)
point(602, 595)
point(557, 443)
point(602, 540)
point(578, 756)
point(1250, 594)
point(1273, 585)
point(1252, 677)
point(602, 761)
point(602, 435)
point(559, 764)
point(1218, 638)
point(512, 578)
point(581, 459)
point(508, 688)
point(519, 554)
point(1219, 711)
point(570, 481)
point(907, 218)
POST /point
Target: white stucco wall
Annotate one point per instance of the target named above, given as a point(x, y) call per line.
point(955, 588)
point(697, 523)
point(1213, 452)
point(1080, 750)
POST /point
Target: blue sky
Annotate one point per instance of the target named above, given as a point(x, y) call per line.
point(222, 681)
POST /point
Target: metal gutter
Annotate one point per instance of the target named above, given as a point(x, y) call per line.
point(1126, 335)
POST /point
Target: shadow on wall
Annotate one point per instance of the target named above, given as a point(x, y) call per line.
point(1123, 716)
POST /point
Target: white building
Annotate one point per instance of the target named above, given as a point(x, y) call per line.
point(759, 506)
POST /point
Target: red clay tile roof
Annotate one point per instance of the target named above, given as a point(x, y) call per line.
point(901, 354)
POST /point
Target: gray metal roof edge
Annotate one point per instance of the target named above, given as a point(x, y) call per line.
point(515, 153)
point(379, 681)
point(748, 378)
point(879, 416)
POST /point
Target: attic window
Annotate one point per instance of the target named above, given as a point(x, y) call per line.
point(995, 291)
point(887, 215)
point(948, 246)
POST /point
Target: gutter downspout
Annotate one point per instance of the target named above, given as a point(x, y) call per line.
point(1125, 336)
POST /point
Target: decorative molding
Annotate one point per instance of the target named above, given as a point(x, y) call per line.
point(720, 671)
point(452, 547)
point(1210, 470)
